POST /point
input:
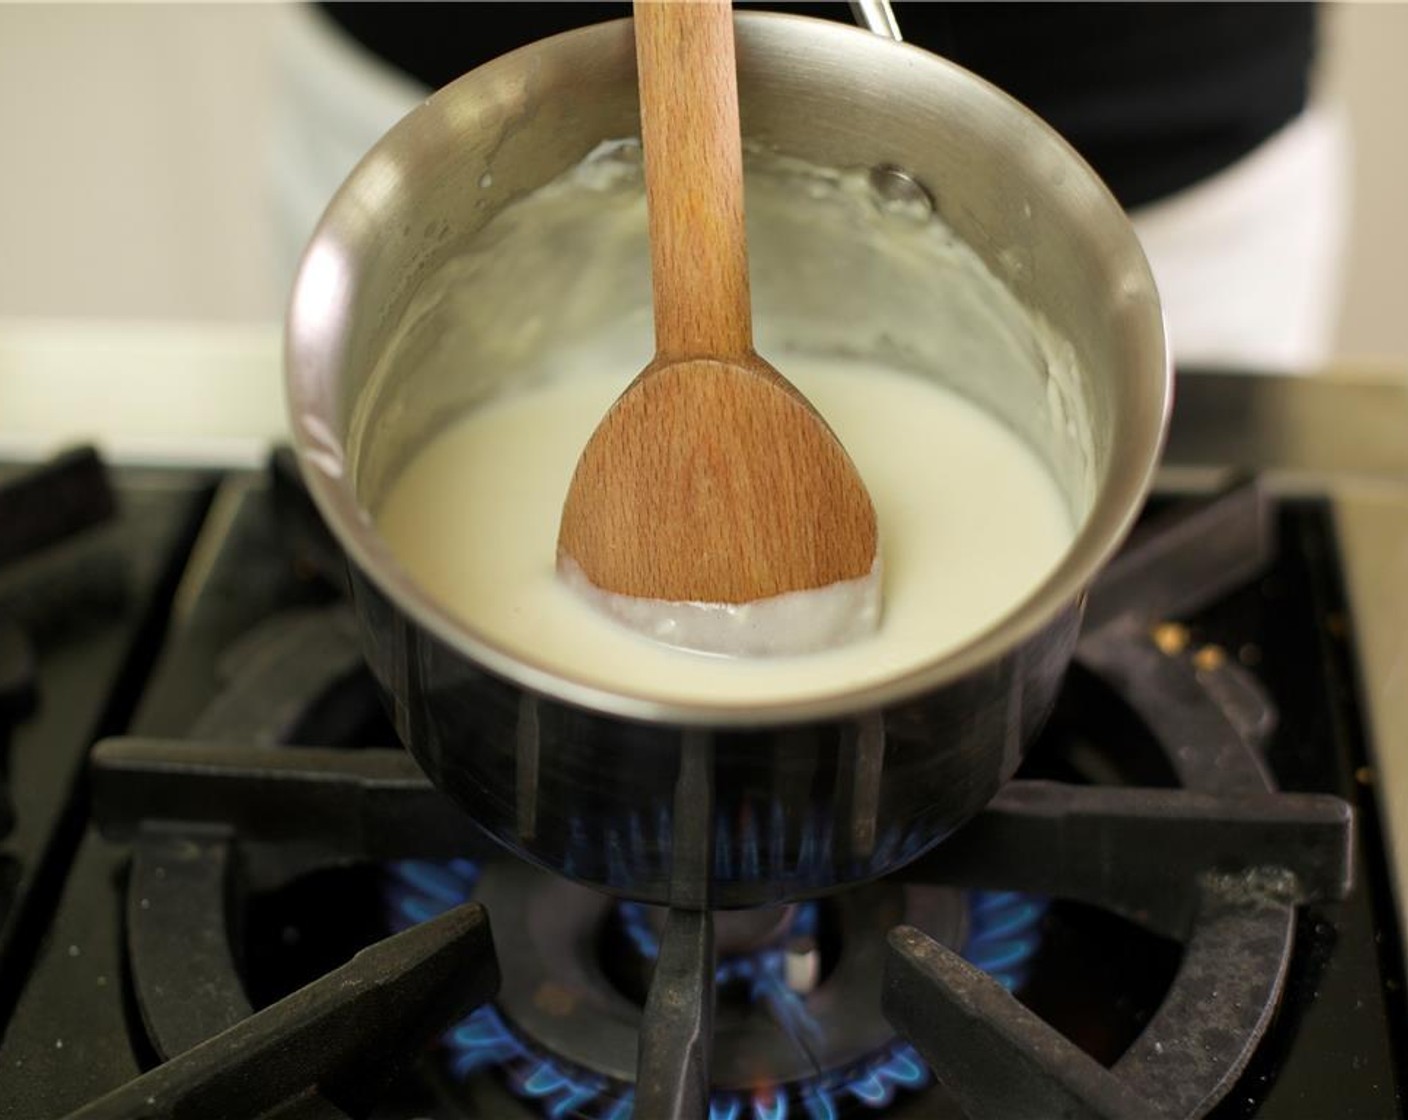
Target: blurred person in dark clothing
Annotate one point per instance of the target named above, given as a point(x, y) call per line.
point(1199, 116)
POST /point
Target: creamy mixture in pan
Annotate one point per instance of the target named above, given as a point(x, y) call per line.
point(970, 523)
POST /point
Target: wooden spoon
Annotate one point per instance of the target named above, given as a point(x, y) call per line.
point(711, 479)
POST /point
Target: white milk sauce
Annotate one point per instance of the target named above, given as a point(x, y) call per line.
point(970, 523)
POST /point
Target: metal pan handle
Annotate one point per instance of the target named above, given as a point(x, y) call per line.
point(877, 16)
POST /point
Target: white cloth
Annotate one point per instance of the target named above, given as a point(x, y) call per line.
point(1247, 262)
point(333, 101)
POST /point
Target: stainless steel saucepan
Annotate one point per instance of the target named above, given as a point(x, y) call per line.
point(432, 279)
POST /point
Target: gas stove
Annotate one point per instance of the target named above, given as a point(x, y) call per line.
point(225, 892)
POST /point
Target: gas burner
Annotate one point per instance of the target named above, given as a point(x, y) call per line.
point(798, 1028)
point(1188, 865)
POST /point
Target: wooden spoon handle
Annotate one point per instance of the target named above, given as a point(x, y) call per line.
point(693, 178)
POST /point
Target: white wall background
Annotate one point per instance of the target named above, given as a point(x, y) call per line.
point(1364, 68)
point(134, 146)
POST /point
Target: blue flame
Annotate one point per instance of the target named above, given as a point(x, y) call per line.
point(623, 1107)
point(1003, 938)
point(725, 1106)
point(484, 1041)
point(873, 1085)
point(770, 1104)
point(1004, 934)
point(819, 1103)
point(421, 890)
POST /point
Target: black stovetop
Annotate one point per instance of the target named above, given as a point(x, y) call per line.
point(205, 613)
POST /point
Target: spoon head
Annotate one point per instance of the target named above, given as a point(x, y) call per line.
point(715, 482)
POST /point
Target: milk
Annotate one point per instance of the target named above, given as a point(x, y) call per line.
point(970, 522)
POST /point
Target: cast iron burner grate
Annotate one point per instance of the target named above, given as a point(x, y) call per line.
point(41, 508)
point(1219, 865)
